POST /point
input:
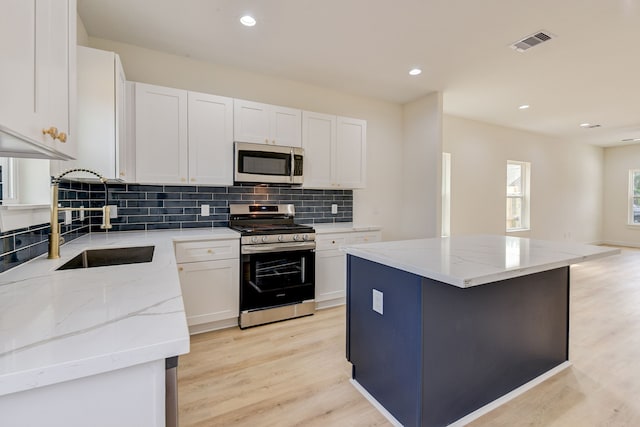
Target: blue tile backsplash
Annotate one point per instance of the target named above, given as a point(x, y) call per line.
point(155, 207)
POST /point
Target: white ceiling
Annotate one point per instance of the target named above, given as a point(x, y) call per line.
point(588, 73)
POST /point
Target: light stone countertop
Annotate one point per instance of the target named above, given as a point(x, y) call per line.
point(342, 227)
point(62, 325)
point(466, 261)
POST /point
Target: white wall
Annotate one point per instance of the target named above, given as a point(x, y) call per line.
point(420, 213)
point(375, 205)
point(617, 163)
point(566, 181)
point(82, 38)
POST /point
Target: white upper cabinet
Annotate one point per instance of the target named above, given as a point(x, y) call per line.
point(319, 142)
point(210, 139)
point(266, 124)
point(351, 153)
point(37, 77)
point(101, 122)
point(335, 151)
point(183, 137)
point(161, 134)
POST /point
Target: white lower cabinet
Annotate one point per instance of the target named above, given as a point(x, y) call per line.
point(331, 264)
point(209, 274)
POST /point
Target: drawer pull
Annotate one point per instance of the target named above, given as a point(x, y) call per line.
point(209, 251)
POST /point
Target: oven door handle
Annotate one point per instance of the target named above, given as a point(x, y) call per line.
point(265, 248)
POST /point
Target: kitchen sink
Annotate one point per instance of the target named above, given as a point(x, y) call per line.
point(112, 256)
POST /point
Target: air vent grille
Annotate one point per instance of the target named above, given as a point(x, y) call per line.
point(532, 40)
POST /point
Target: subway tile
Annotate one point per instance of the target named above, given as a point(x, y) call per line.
point(163, 196)
point(144, 219)
point(128, 227)
point(197, 196)
point(208, 224)
point(212, 189)
point(180, 203)
point(145, 203)
point(163, 226)
point(145, 188)
point(180, 188)
point(233, 190)
point(168, 211)
point(180, 218)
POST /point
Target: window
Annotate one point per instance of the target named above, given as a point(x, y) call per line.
point(518, 195)
point(634, 197)
point(9, 192)
point(25, 192)
point(446, 194)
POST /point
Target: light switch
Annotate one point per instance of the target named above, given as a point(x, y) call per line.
point(334, 208)
point(204, 210)
point(377, 301)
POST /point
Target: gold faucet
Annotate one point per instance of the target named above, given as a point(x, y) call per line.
point(54, 236)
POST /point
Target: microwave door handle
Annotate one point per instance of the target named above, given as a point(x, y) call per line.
point(293, 164)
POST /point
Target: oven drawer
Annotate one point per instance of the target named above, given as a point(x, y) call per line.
point(207, 250)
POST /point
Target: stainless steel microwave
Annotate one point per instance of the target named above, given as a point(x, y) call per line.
point(267, 164)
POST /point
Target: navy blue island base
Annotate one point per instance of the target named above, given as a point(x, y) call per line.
point(439, 352)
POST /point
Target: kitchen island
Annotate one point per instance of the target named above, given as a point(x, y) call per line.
point(88, 346)
point(440, 330)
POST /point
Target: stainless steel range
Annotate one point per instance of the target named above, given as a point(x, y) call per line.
point(277, 263)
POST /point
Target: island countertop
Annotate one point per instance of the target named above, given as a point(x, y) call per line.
point(61, 325)
point(466, 261)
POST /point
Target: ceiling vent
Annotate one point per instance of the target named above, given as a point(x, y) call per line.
point(532, 40)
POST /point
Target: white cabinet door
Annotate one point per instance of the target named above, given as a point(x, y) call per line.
point(331, 273)
point(285, 126)
point(37, 77)
point(101, 107)
point(319, 143)
point(250, 122)
point(266, 124)
point(161, 135)
point(331, 276)
point(351, 153)
point(210, 139)
point(210, 290)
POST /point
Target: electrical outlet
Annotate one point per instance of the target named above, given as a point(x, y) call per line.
point(378, 301)
point(113, 211)
point(67, 217)
point(334, 209)
point(81, 213)
point(204, 210)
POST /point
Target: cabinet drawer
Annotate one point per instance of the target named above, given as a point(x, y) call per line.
point(330, 241)
point(207, 250)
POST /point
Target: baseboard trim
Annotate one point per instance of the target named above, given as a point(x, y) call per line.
point(375, 403)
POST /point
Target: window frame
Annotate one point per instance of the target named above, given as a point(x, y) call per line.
point(524, 196)
point(630, 197)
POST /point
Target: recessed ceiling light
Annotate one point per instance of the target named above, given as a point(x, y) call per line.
point(415, 71)
point(248, 21)
point(585, 125)
point(523, 106)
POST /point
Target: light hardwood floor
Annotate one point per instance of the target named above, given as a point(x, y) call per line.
point(295, 373)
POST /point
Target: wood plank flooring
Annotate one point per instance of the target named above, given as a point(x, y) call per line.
point(294, 373)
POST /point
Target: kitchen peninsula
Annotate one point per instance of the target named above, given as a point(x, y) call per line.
point(440, 328)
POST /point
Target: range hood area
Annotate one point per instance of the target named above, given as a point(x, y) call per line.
point(13, 144)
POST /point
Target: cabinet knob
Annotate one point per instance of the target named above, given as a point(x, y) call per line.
point(121, 173)
point(273, 142)
point(193, 180)
point(62, 137)
point(266, 141)
point(209, 251)
point(183, 180)
point(180, 269)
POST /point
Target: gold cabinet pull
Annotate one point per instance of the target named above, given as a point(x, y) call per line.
point(180, 269)
point(209, 251)
point(54, 134)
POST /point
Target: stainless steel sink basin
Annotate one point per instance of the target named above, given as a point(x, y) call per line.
point(112, 256)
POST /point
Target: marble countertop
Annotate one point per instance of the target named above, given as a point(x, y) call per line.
point(342, 227)
point(466, 261)
point(62, 325)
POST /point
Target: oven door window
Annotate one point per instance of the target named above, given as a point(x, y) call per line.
point(276, 271)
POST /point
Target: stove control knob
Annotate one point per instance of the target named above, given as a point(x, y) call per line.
point(254, 239)
point(280, 238)
point(296, 237)
point(305, 237)
point(264, 239)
